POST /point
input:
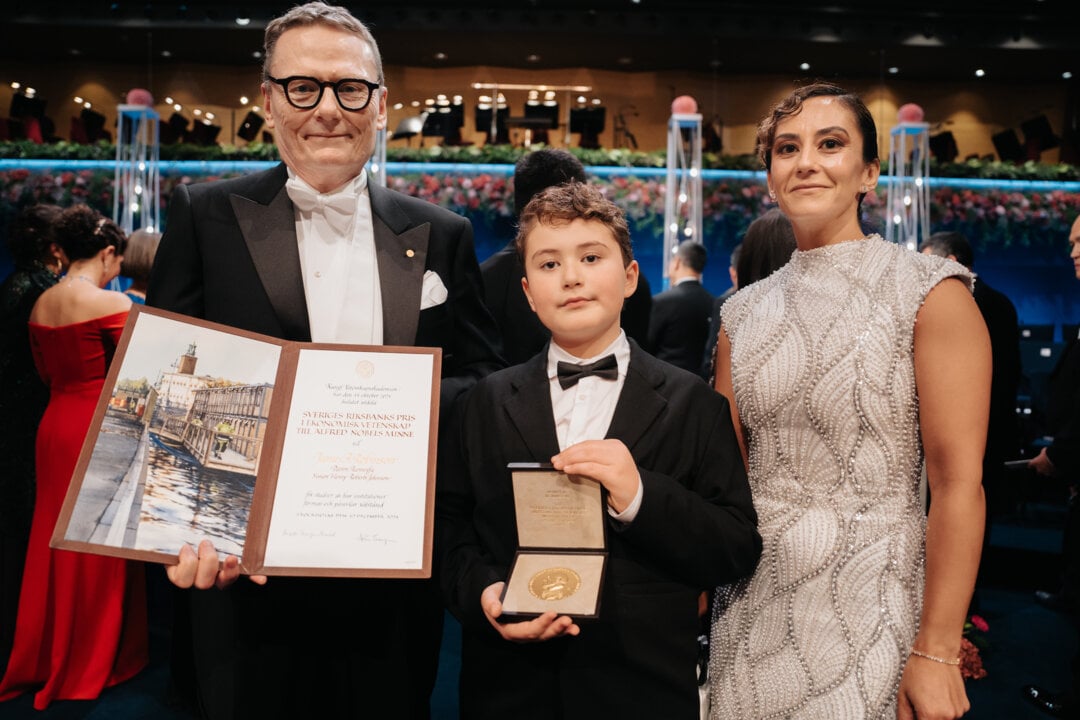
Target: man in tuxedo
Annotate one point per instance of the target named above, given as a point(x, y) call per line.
point(679, 324)
point(999, 313)
point(311, 250)
point(1061, 460)
point(522, 333)
point(679, 516)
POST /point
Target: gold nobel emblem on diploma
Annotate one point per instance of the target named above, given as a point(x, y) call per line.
point(554, 583)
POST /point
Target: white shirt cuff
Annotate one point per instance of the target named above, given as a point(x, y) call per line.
point(627, 516)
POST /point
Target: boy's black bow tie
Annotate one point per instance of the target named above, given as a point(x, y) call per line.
point(605, 367)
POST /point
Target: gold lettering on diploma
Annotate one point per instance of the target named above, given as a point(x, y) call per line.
point(554, 583)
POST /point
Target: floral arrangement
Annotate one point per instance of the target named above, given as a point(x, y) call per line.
point(507, 154)
point(1030, 222)
point(971, 645)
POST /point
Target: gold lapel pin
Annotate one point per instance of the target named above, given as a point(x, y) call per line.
point(409, 252)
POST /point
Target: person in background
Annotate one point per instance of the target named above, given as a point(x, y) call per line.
point(849, 370)
point(679, 323)
point(766, 247)
point(39, 261)
point(1061, 461)
point(82, 618)
point(999, 314)
point(139, 258)
point(310, 250)
point(679, 517)
point(522, 333)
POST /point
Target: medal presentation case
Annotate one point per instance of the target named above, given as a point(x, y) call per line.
point(562, 553)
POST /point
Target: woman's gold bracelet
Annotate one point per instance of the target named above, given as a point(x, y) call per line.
point(935, 658)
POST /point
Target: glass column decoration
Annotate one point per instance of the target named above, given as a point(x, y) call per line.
point(908, 206)
point(682, 206)
point(137, 198)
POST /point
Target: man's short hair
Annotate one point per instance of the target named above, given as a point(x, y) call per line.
point(562, 204)
point(944, 244)
point(318, 13)
point(693, 255)
point(541, 169)
point(735, 252)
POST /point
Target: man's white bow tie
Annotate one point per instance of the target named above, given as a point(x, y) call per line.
point(338, 209)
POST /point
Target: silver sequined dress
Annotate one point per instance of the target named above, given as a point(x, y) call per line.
point(823, 375)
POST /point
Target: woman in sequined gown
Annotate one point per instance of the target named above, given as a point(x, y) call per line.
point(846, 370)
point(82, 618)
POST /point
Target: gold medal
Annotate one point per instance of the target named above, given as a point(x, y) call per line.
point(554, 583)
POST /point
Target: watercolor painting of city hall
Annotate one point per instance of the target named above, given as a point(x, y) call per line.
point(175, 458)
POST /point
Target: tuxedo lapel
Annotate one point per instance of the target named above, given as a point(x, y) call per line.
point(639, 402)
point(268, 224)
point(529, 409)
point(401, 252)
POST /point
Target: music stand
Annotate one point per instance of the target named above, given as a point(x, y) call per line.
point(250, 127)
point(408, 127)
point(943, 146)
point(589, 122)
point(203, 134)
point(1008, 146)
point(1038, 135)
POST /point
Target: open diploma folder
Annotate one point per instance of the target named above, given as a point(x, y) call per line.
point(300, 458)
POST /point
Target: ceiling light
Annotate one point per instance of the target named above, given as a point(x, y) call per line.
point(398, 106)
point(440, 56)
point(533, 58)
point(243, 99)
point(804, 66)
point(893, 70)
point(168, 100)
point(78, 100)
point(1066, 75)
point(242, 21)
point(980, 72)
point(166, 53)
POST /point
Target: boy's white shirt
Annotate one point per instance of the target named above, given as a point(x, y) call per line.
point(584, 411)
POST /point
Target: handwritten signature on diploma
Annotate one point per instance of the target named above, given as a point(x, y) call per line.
point(374, 539)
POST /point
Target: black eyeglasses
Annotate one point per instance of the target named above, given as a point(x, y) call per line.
point(304, 93)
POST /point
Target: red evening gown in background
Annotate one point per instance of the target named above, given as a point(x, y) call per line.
point(82, 618)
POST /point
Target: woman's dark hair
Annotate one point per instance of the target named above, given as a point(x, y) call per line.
point(766, 247)
point(83, 232)
point(31, 234)
point(792, 105)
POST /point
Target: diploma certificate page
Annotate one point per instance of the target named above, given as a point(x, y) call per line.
point(354, 464)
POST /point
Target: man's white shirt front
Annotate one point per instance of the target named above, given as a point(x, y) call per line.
point(339, 267)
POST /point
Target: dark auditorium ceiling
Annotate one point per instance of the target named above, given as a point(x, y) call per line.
point(1022, 40)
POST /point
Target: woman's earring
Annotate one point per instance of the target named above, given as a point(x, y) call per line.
point(864, 189)
point(772, 195)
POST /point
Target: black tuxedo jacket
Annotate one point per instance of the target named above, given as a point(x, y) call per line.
point(229, 255)
point(696, 529)
point(679, 325)
point(304, 647)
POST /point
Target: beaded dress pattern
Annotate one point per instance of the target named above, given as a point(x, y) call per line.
point(823, 375)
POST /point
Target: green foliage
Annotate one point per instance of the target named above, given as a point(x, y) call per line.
point(508, 155)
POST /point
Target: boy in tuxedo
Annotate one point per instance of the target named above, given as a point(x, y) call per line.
point(678, 507)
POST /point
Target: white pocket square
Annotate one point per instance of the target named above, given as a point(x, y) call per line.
point(433, 291)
